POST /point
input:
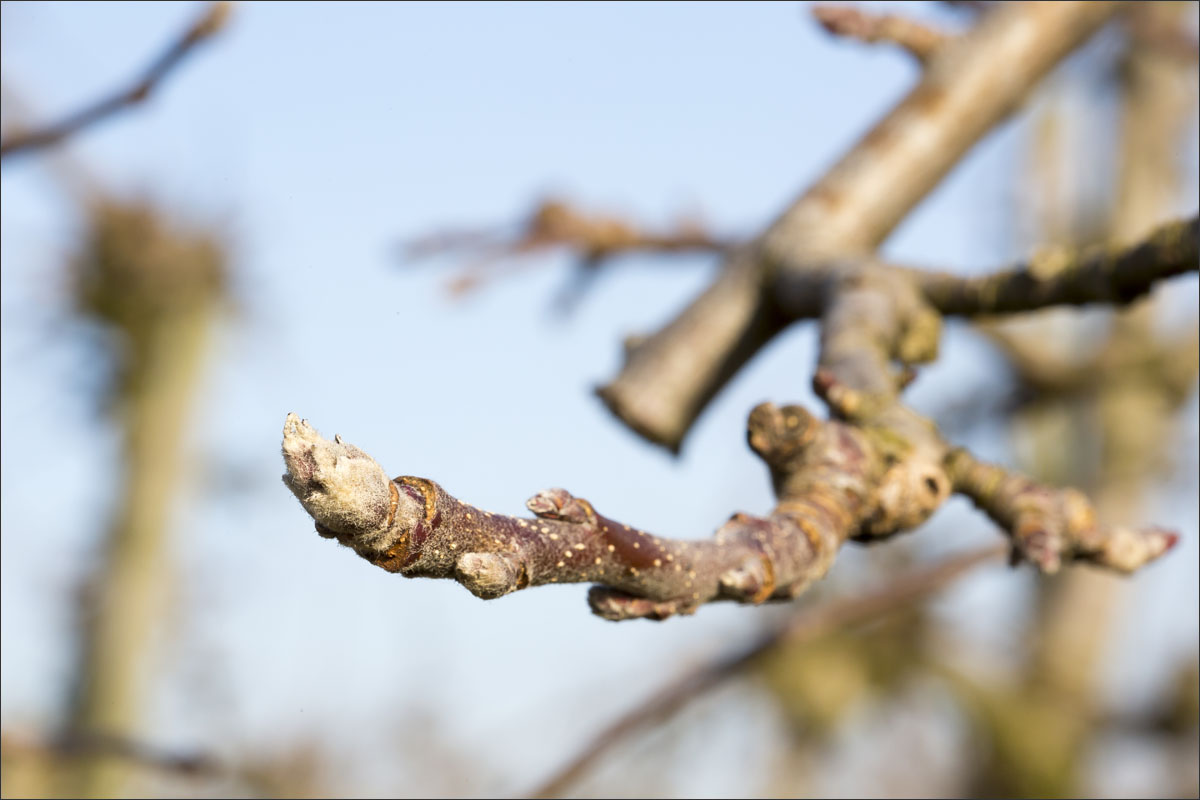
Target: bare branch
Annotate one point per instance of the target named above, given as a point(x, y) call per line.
point(805, 625)
point(208, 24)
point(1049, 526)
point(556, 224)
point(920, 41)
point(414, 527)
point(1072, 276)
point(835, 481)
point(970, 85)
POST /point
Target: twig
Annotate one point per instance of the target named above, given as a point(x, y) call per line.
point(1053, 276)
point(414, 527)
point(209, 23)
point(920, 41)
point(556, 224)
point(1070, 276)
point(1048, 525)
point(804, 626)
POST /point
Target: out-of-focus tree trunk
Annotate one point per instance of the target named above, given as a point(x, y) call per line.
point(160, 291)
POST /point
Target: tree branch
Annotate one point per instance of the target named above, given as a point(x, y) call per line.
point(1072, 276)
point(919, 41)
point(208, 24)
point(805, 625)
point(1049, 526)
point(555, 223)
point(834, 481)
point(970, 85)
point(414, 527)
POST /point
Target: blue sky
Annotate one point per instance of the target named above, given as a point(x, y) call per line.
point(321, 136)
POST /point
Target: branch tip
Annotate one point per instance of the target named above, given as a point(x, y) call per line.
point(340, 486)
point(1052, 526)
point(920, 41)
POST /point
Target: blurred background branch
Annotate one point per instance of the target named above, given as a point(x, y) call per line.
point(920, 41)
point(594, 240)
point(23, 140)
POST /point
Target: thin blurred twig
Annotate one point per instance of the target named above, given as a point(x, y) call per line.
point(805, 625)
point(207, 25)
point(556, 224)
point(919, 41)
